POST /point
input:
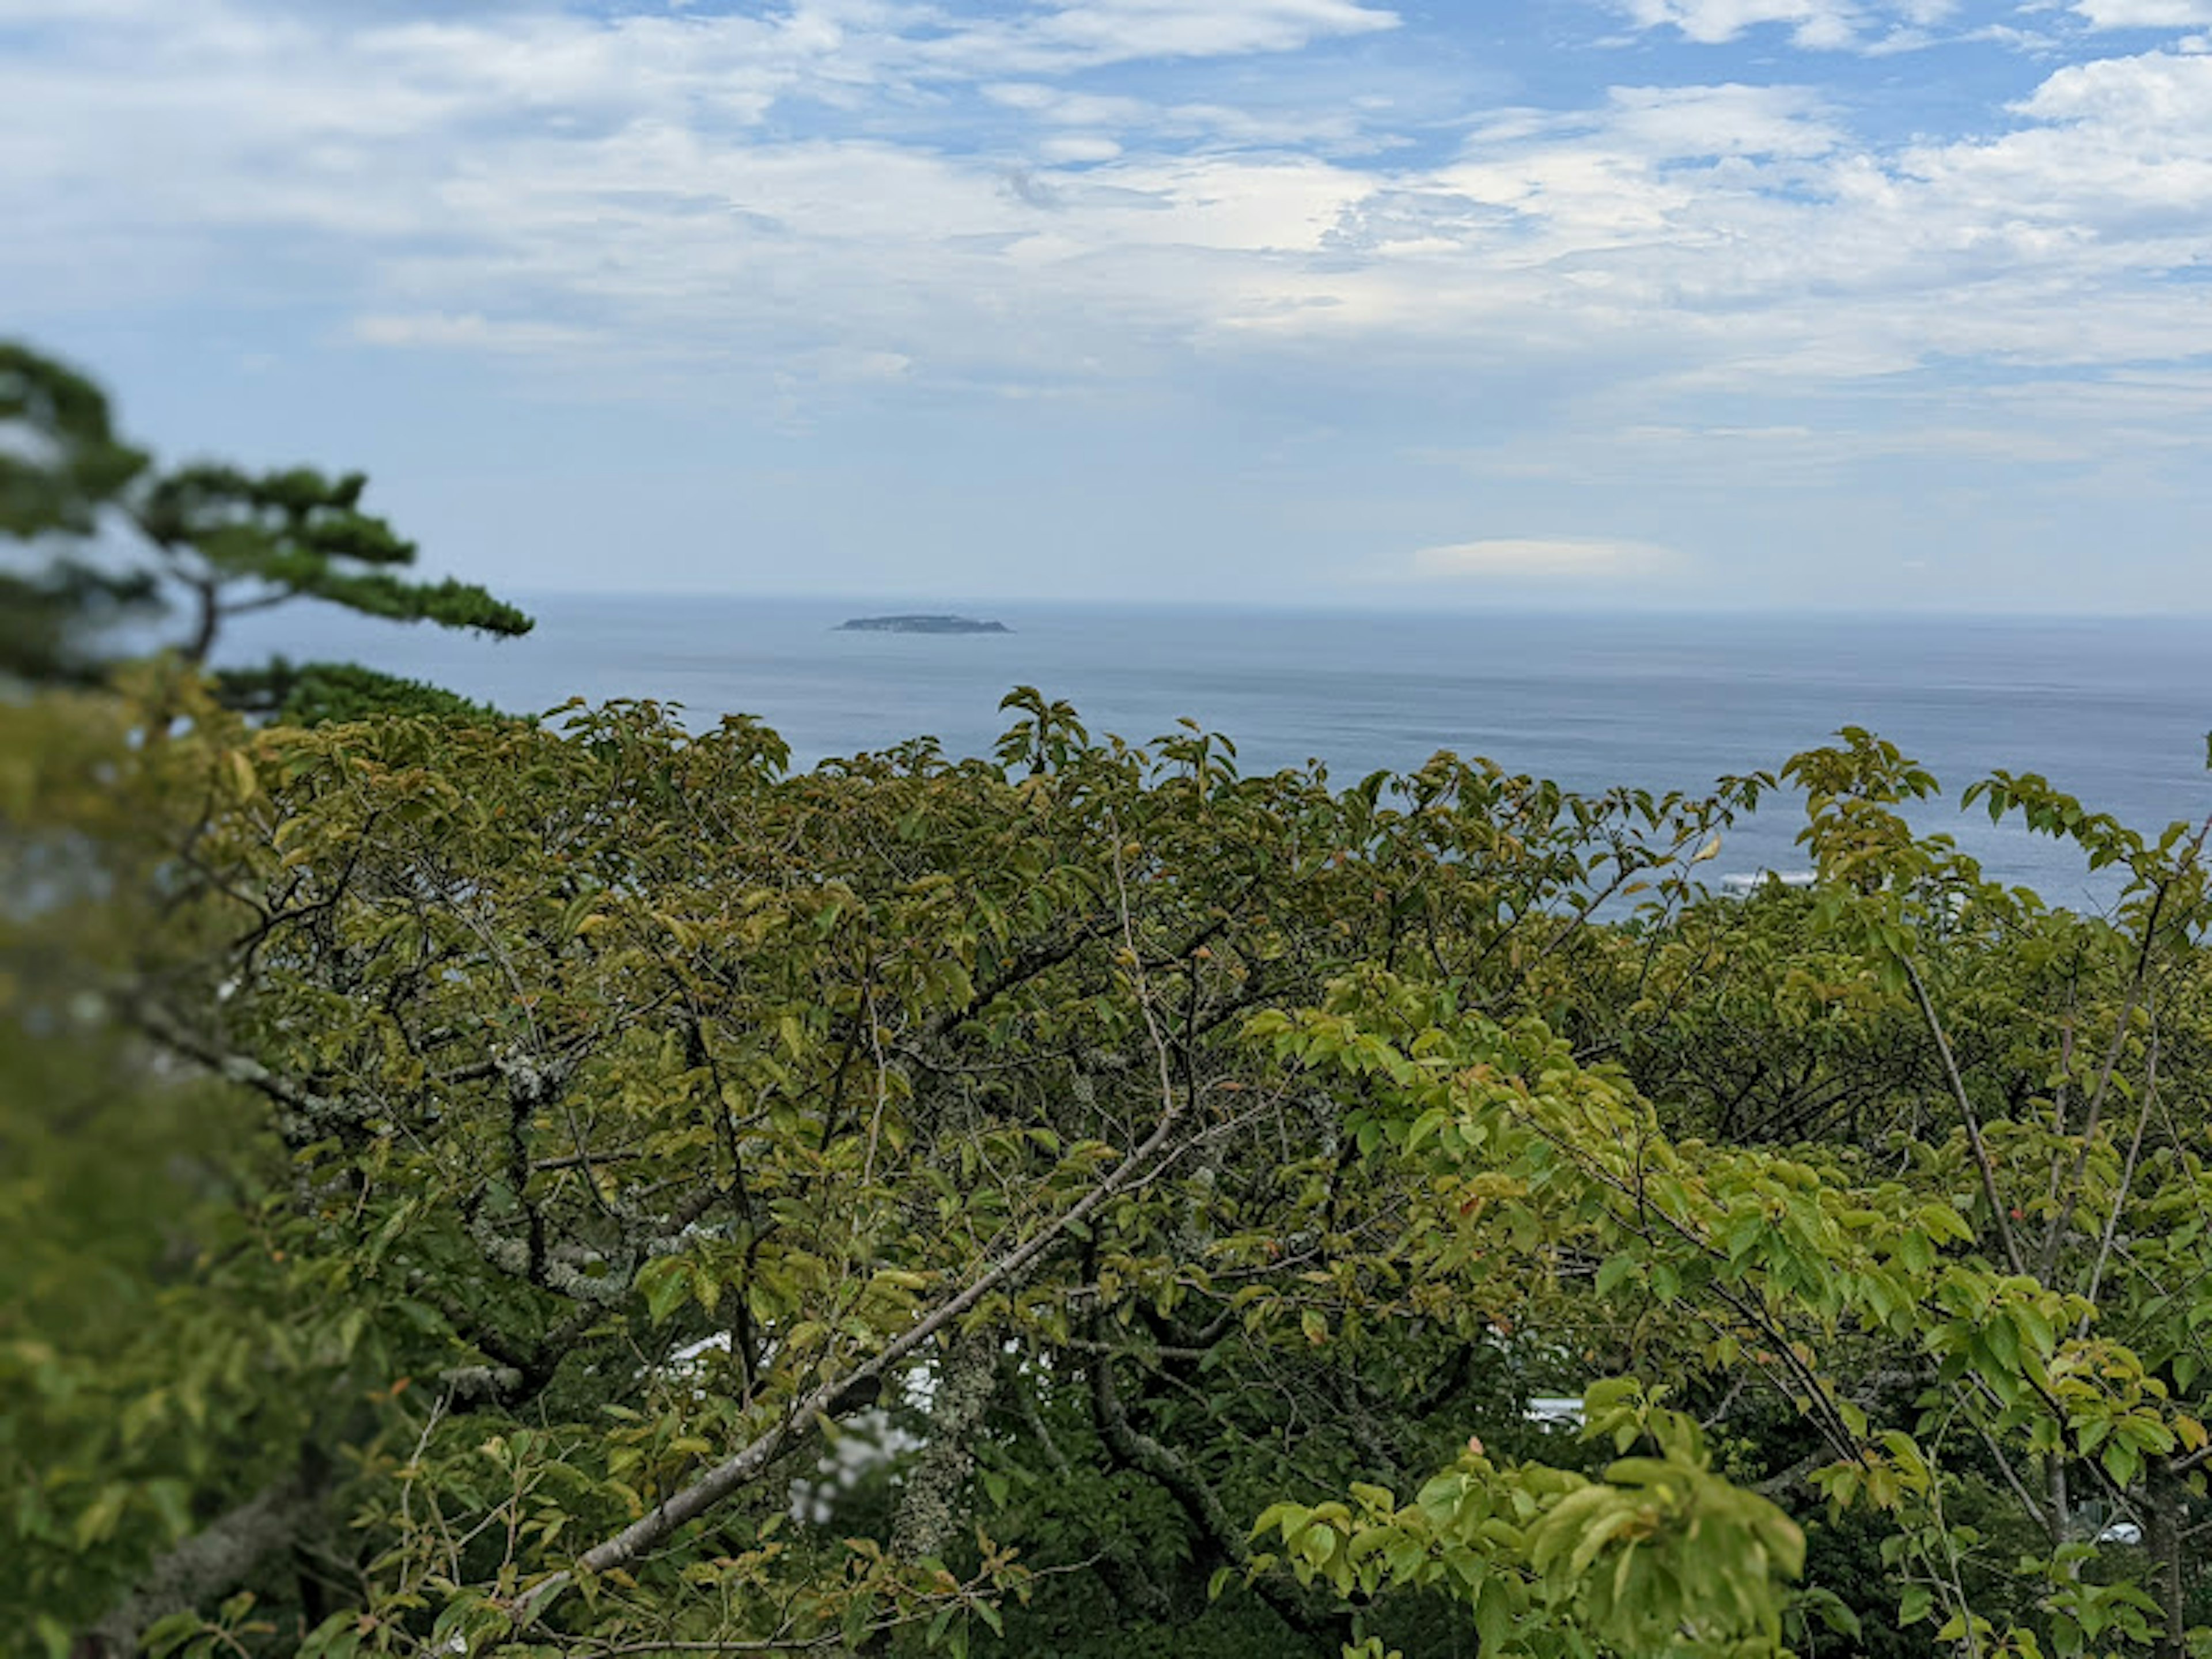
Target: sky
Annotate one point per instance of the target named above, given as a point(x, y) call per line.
point(1853, 304)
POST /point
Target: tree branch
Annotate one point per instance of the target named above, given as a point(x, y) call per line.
point(736, 1473)
point(1998, 1216)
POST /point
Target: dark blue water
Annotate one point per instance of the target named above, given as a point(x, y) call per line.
point(2114, 711)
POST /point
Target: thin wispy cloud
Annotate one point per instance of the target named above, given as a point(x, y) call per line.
point(1544, 559)
point(470, 331)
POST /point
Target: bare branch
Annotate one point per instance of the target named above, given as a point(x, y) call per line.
point(1987, 1171)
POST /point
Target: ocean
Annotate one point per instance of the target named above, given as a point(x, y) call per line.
point(2113, 710)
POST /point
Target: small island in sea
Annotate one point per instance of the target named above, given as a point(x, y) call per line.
point(920, 625)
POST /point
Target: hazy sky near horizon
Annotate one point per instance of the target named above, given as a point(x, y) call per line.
point(1850, 303)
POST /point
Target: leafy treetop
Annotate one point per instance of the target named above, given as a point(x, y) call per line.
point(1202, 1172)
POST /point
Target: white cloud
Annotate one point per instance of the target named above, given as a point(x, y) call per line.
point(1703, 122)
point(469, 329)
point(1814, 25)
point(1119, 31)
point(1076, 149)
point(1542, 558)
point(23, 14)
point(2145, 13)
point(851, 364)
point(1322, 127)
point(2151, 100)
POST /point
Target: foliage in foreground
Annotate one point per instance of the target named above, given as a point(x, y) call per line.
point(582, 1189)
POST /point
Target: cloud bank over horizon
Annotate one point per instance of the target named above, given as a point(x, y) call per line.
point(1871, 303)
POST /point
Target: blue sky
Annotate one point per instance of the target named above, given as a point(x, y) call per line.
point(1853, 304)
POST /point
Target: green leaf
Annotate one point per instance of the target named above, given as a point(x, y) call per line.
point(664, 1282)
point(99, 1518)
point(1493, 1615)
point(166, 1635)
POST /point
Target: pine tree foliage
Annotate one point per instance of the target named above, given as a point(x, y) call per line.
point(106, 545)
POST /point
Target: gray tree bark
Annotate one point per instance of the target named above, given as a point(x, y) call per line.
point(929, 1506)
point(210, 1563)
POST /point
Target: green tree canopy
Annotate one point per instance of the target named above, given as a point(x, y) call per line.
point(588, 1189)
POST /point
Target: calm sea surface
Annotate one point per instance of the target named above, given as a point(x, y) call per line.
point(2113, 711)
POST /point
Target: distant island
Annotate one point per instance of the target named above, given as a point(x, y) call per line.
point(919, 625)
